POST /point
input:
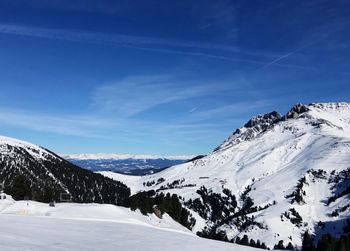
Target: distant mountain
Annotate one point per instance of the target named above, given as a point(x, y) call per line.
point(31, 171)
point(272, 180)
point(125, 163)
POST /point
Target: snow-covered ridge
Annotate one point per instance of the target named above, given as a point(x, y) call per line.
point(331, 106)
point(318, 113)
point(36, 151)
point(43, 168)
point(115, 156)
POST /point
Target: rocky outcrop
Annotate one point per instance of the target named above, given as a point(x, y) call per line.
point(295, 112)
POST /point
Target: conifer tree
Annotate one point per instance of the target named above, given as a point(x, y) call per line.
point(20, 188)
point(245, 240)
point(290, 246)
point(279, 245)
point(238, 240)
point(307, 244)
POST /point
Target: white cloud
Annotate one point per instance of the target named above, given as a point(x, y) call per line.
point(117, 39)
point(133, 95)
point(231, 110)
point(181, 47)
point(84, 126)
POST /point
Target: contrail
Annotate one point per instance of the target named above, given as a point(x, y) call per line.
point(299, 49)
point(285, 56)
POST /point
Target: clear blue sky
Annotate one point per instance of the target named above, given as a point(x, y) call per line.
point(163, 77)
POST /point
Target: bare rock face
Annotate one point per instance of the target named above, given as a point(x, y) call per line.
point(295, 112)
point(261, 123)
point(253, 127)
point(263, 120)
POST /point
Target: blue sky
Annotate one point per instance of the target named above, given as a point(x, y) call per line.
point(163, 77)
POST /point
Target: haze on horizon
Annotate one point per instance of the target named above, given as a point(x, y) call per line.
point(163, 77)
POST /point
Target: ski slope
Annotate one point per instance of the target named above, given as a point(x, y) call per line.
point(29, 225)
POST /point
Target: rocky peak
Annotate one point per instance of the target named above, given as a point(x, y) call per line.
point(261, 123)
point(265, 119)
point(252, 128)
point(296, 111)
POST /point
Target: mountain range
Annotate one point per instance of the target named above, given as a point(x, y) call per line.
point(125, 163)
point(273, 180)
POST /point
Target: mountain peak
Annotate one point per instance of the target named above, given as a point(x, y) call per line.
point(261, 123)
point(264, 119)
point(296, 111)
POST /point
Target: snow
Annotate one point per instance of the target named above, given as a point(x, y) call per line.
point(276, 159)
point(133, 182)
point(34, 150)
point(29, 225)
point(38, 233)
point(114, 156)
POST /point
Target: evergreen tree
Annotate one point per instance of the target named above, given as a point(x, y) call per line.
point(20, 188)
point(258, 244)
point(327, 242)
point(279, 245)
point(48, 195)
point(307, 244)
point(252, 243)
point(344, 243)
point(245, 240)
point(290, 246)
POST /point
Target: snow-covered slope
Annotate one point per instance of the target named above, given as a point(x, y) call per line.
point(294, 168)
point(29, 225)
point(49, 175)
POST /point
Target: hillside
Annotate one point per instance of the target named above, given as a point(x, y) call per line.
point(30, 225)
point(31, 171)
point(273, 179)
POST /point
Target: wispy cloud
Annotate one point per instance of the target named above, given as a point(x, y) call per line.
point(116, 39)
point(194, 109)
point(133, 95)
point(84, 126)
point(108, 7)
point(115, 106)
point(232, 110)
point(201, 49)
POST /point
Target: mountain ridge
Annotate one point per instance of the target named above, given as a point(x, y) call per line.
point(276, 176)
point(47, 175)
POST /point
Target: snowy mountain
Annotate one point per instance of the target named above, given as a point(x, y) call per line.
point(125, 163)
point(273, 179)
point(31, 171)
